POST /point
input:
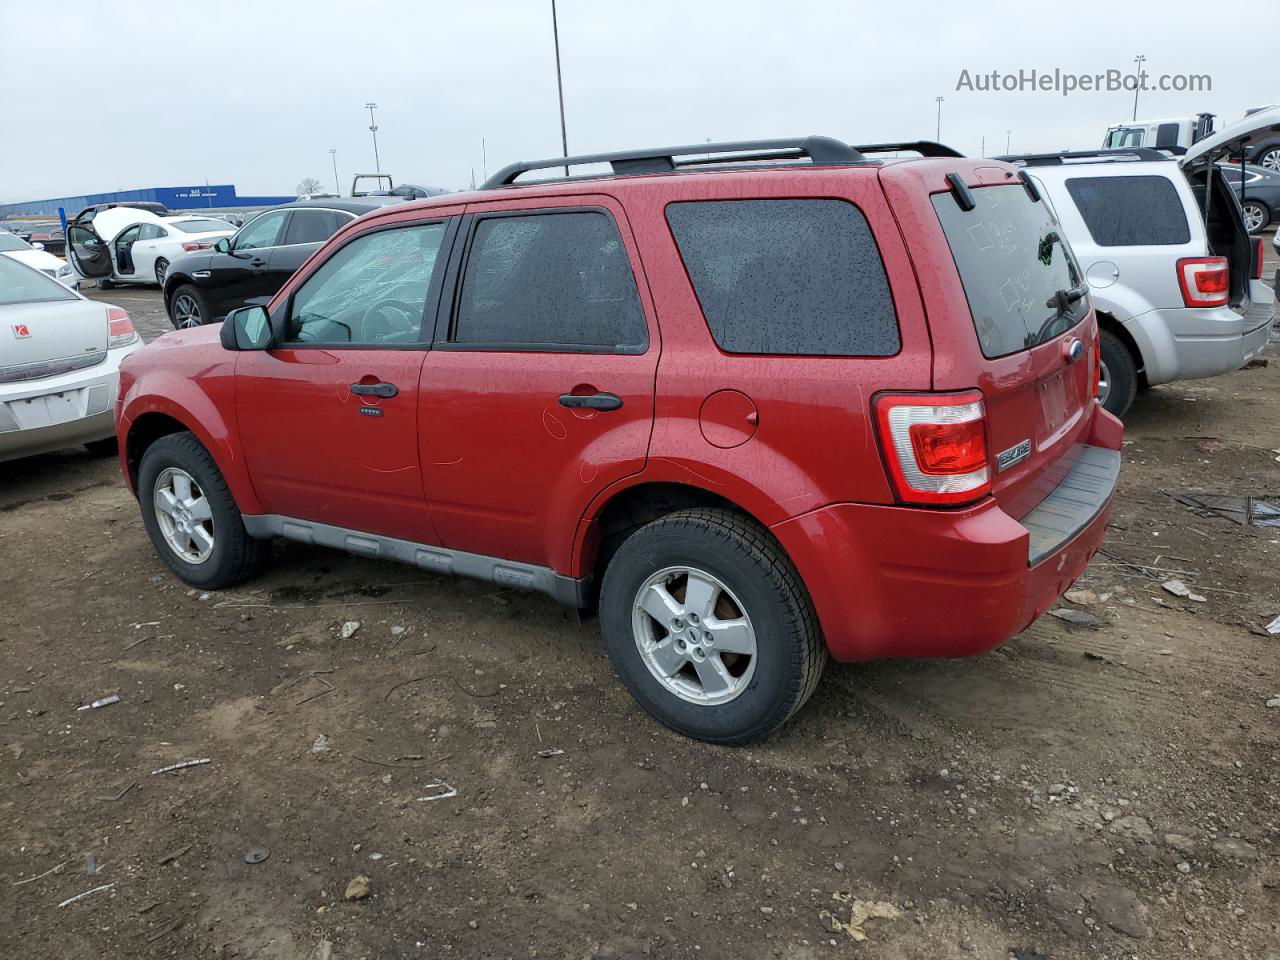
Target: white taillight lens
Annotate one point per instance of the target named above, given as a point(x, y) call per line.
point(935, 446)
point(1205, 281)
point(120, 332)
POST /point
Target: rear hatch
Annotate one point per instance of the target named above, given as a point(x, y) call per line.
point(45, 329)
point(1035, 334)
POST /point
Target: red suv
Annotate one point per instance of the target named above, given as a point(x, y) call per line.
point(754, 402)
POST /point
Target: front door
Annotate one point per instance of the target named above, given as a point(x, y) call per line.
point(329, 418)
point(89, 256)
point(539, 390)
point(243, 275)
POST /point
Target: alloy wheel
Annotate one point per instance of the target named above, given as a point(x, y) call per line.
point(186, 312)
point(162, 270)
point(1270, 159)
point(184, 515)
point(694, 635)
point(1254, 216)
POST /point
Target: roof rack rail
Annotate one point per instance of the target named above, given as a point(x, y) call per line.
point(1121, 153)
point(926, 148)
point(821, 150)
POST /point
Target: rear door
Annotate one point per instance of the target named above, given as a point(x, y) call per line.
point(539, 390)
point(1034, 329)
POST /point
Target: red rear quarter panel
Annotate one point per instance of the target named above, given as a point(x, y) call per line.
point(187, 375)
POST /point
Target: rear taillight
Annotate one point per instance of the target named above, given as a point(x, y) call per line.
point(191, 246)
point(120, 332)
point(1259, 257)
point(935, 446)
point(1205, 281)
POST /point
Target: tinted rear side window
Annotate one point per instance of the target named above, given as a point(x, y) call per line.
point(1012, 261)
point(313, 226)
point(551, 282)
point(787, 277)
point(1130, 211)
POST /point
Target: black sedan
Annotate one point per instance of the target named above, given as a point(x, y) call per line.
point(1261, 199)
point(248, 268)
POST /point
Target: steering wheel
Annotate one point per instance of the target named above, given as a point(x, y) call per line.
point(399, 318)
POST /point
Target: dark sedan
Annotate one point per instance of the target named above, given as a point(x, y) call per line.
point(1261, 199)
point(248, 268)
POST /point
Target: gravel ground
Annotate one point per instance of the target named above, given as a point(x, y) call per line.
point(1102, 792)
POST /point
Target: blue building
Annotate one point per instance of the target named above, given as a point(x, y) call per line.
point(203, 197)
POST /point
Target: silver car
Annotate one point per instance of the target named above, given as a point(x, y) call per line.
point(60, 357)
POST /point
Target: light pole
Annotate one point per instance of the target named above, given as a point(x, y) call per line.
point(564, 137)
point(1137, 83)
point(373, 128)
point(333, 154)
point(1008, 134)
point(938, 136)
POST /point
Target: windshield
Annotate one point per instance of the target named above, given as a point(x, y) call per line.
point(201, 226)
point(1021, 281)
point(22, 284)
point(9, 243)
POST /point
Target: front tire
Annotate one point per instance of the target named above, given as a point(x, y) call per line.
point(191, 517)
point(1119, 382)
point(188, 308)
point(709, 626)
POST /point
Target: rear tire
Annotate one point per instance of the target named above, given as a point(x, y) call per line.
point(1119, 375)
point(105, 284)
point(721, 586)
point(188, 308)
point(232, 556)
point(1256, 215)
point(162, 269)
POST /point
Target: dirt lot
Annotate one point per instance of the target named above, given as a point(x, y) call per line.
point(1082, 792)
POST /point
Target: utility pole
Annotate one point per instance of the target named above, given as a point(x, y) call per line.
point(484, 160)
point(564, 136)
point(938, 135)
point(337, 188)
point(1008, 135)
point(1137, 83)
point(373, 128)
point(984, 146)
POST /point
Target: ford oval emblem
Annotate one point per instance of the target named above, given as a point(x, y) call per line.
point(1074, 349)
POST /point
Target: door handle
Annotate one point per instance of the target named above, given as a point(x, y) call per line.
point(595, 401)
point(374, 389)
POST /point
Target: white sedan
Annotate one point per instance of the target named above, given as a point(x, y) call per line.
point(33, 255)
point(139, 245)
point(60, 357)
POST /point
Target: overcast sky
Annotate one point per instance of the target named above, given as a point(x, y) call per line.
point(135, 93)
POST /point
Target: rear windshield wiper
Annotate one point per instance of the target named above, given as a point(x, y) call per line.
point(1062, 301)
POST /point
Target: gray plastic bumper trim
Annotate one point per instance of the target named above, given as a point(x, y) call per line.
point(1074, 503)
point(505, 573)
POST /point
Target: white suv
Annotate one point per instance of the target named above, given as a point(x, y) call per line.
point(1172, 271)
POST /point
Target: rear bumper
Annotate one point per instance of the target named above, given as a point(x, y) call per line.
point(37, 416)
point(1193, 343)
point(901, 582)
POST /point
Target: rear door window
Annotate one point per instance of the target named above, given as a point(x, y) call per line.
point(312, 226)
point(1130, 211)
point(555, 282)
point(1013, 261)
point(787, 277)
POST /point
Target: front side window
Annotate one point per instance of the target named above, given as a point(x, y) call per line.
point(370, 292)
point(263, 232)
point(1131, 211)
point(787, 277)
point(1014, 263)
point(552, 281)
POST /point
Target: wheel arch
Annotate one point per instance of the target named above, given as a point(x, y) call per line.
point(1109, 323)
point(611, 518)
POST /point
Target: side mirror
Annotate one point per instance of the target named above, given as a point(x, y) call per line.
point(37, 246)
point(223, 245)
point(248, 328)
